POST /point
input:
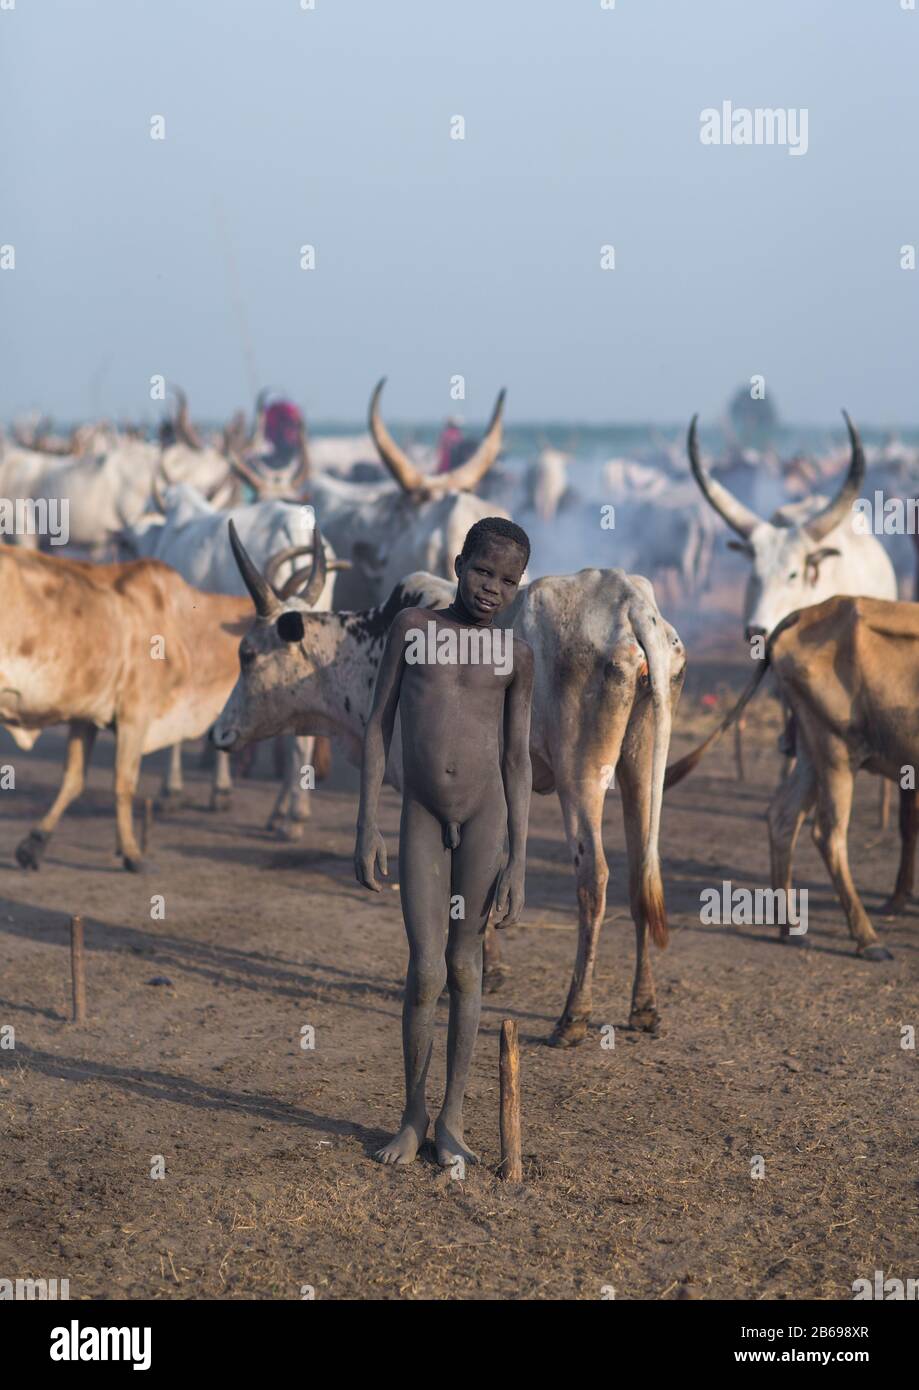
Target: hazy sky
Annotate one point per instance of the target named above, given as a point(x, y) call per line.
point(437, 256)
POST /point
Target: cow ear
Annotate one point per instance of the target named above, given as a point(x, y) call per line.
point(743, 546)
point(290, 627)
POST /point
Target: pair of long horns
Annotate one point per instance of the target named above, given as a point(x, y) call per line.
point(265, 486)
point(162, 480)
point(265, 596)
point(742, 520)
point(462, 479)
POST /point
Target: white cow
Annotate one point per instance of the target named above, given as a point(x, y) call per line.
point(103, 493)
point(608, 673)
point(418, 525)
point(807, 552)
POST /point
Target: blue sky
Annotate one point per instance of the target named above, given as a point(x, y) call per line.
point(435, 256)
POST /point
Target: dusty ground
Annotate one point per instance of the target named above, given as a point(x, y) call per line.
point(638, 1158)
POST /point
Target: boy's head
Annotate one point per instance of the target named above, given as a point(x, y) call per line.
point(491, 565)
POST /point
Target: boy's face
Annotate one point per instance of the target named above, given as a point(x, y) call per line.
point(490, 576)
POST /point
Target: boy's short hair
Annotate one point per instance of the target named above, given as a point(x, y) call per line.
point(496, 527)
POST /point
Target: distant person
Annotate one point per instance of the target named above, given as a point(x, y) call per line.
point(284, 427)
point(448, 446)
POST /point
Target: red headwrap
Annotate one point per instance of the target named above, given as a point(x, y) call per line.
point(283, 423)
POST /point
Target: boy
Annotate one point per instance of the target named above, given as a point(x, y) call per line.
point(459, 682)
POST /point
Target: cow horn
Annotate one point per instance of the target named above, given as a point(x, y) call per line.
point(161, 479)
point(249, 475)
point(302, 475)
point(263, 596)
point(409, 478)
point(234, 434)
point(184, 428)
point(737, 516)
point(835, 512)
point(216, 488)
point(469, 474)
point(315, 575)
point(290, 553)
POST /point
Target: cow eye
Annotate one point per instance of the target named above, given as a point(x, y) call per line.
point(290, 627)
point(246, 656)
point(793, 575)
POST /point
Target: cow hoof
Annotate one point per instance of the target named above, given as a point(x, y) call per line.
point(893, 907)
point(288, 831)
point(31, 852)
point(646, 1020)
point(221, 799)
point(876, 952)
point(133, 866)
point(167, 801)
point(568, 1032)
point(493, 978)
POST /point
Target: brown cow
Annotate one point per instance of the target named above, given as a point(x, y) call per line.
point(130, 647)
point(848, 669)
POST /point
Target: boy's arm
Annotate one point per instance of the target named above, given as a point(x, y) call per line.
point(518, 780)
point(370, 851)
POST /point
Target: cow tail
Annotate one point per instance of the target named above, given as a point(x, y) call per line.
point(678, 770)
point(651, 884)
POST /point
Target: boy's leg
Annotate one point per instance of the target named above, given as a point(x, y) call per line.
point(476, 865)
point(424, 882)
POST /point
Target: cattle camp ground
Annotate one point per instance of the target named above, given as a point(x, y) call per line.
point(418, 421)
point(638, 1150)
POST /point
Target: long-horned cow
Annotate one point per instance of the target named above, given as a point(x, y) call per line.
point(102, 493)
point(806, 552)
point(848, 668)
point(418, 525)
point(191, 535)
point(134, 648)
point(608, 670)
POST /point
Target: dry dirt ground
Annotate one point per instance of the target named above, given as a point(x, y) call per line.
point(638, 1158)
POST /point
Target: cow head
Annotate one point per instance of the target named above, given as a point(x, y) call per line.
point(281, 655)
point(421, 487)
point(794, 559)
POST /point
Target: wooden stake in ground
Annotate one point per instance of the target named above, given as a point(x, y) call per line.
point(511, 1158)
point(146, 828)
point(77, 969)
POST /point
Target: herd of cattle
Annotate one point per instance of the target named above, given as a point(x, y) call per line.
point(162, 645)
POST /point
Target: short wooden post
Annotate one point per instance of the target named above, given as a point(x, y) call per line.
point(146, 828)
point(511, 1156)
point(77, 969)
point(739, 728)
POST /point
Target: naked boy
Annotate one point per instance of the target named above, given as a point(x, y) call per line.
point(458, 682)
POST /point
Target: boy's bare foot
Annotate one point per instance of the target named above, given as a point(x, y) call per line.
point(403, 1147)
point(451, 1145)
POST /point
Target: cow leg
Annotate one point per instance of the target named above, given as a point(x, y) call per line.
point(831, 826)
point(884, 804)
point(494, 971)
point(300, 756)
point(80, 740)
point(292, 803)
point(790, 804)
point(128, 745)
point(909, 831)
point(222, 789)
point(582, 811)
point(171, 794)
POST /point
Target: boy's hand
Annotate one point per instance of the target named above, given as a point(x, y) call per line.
point(370, 856)
point(509, 896)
